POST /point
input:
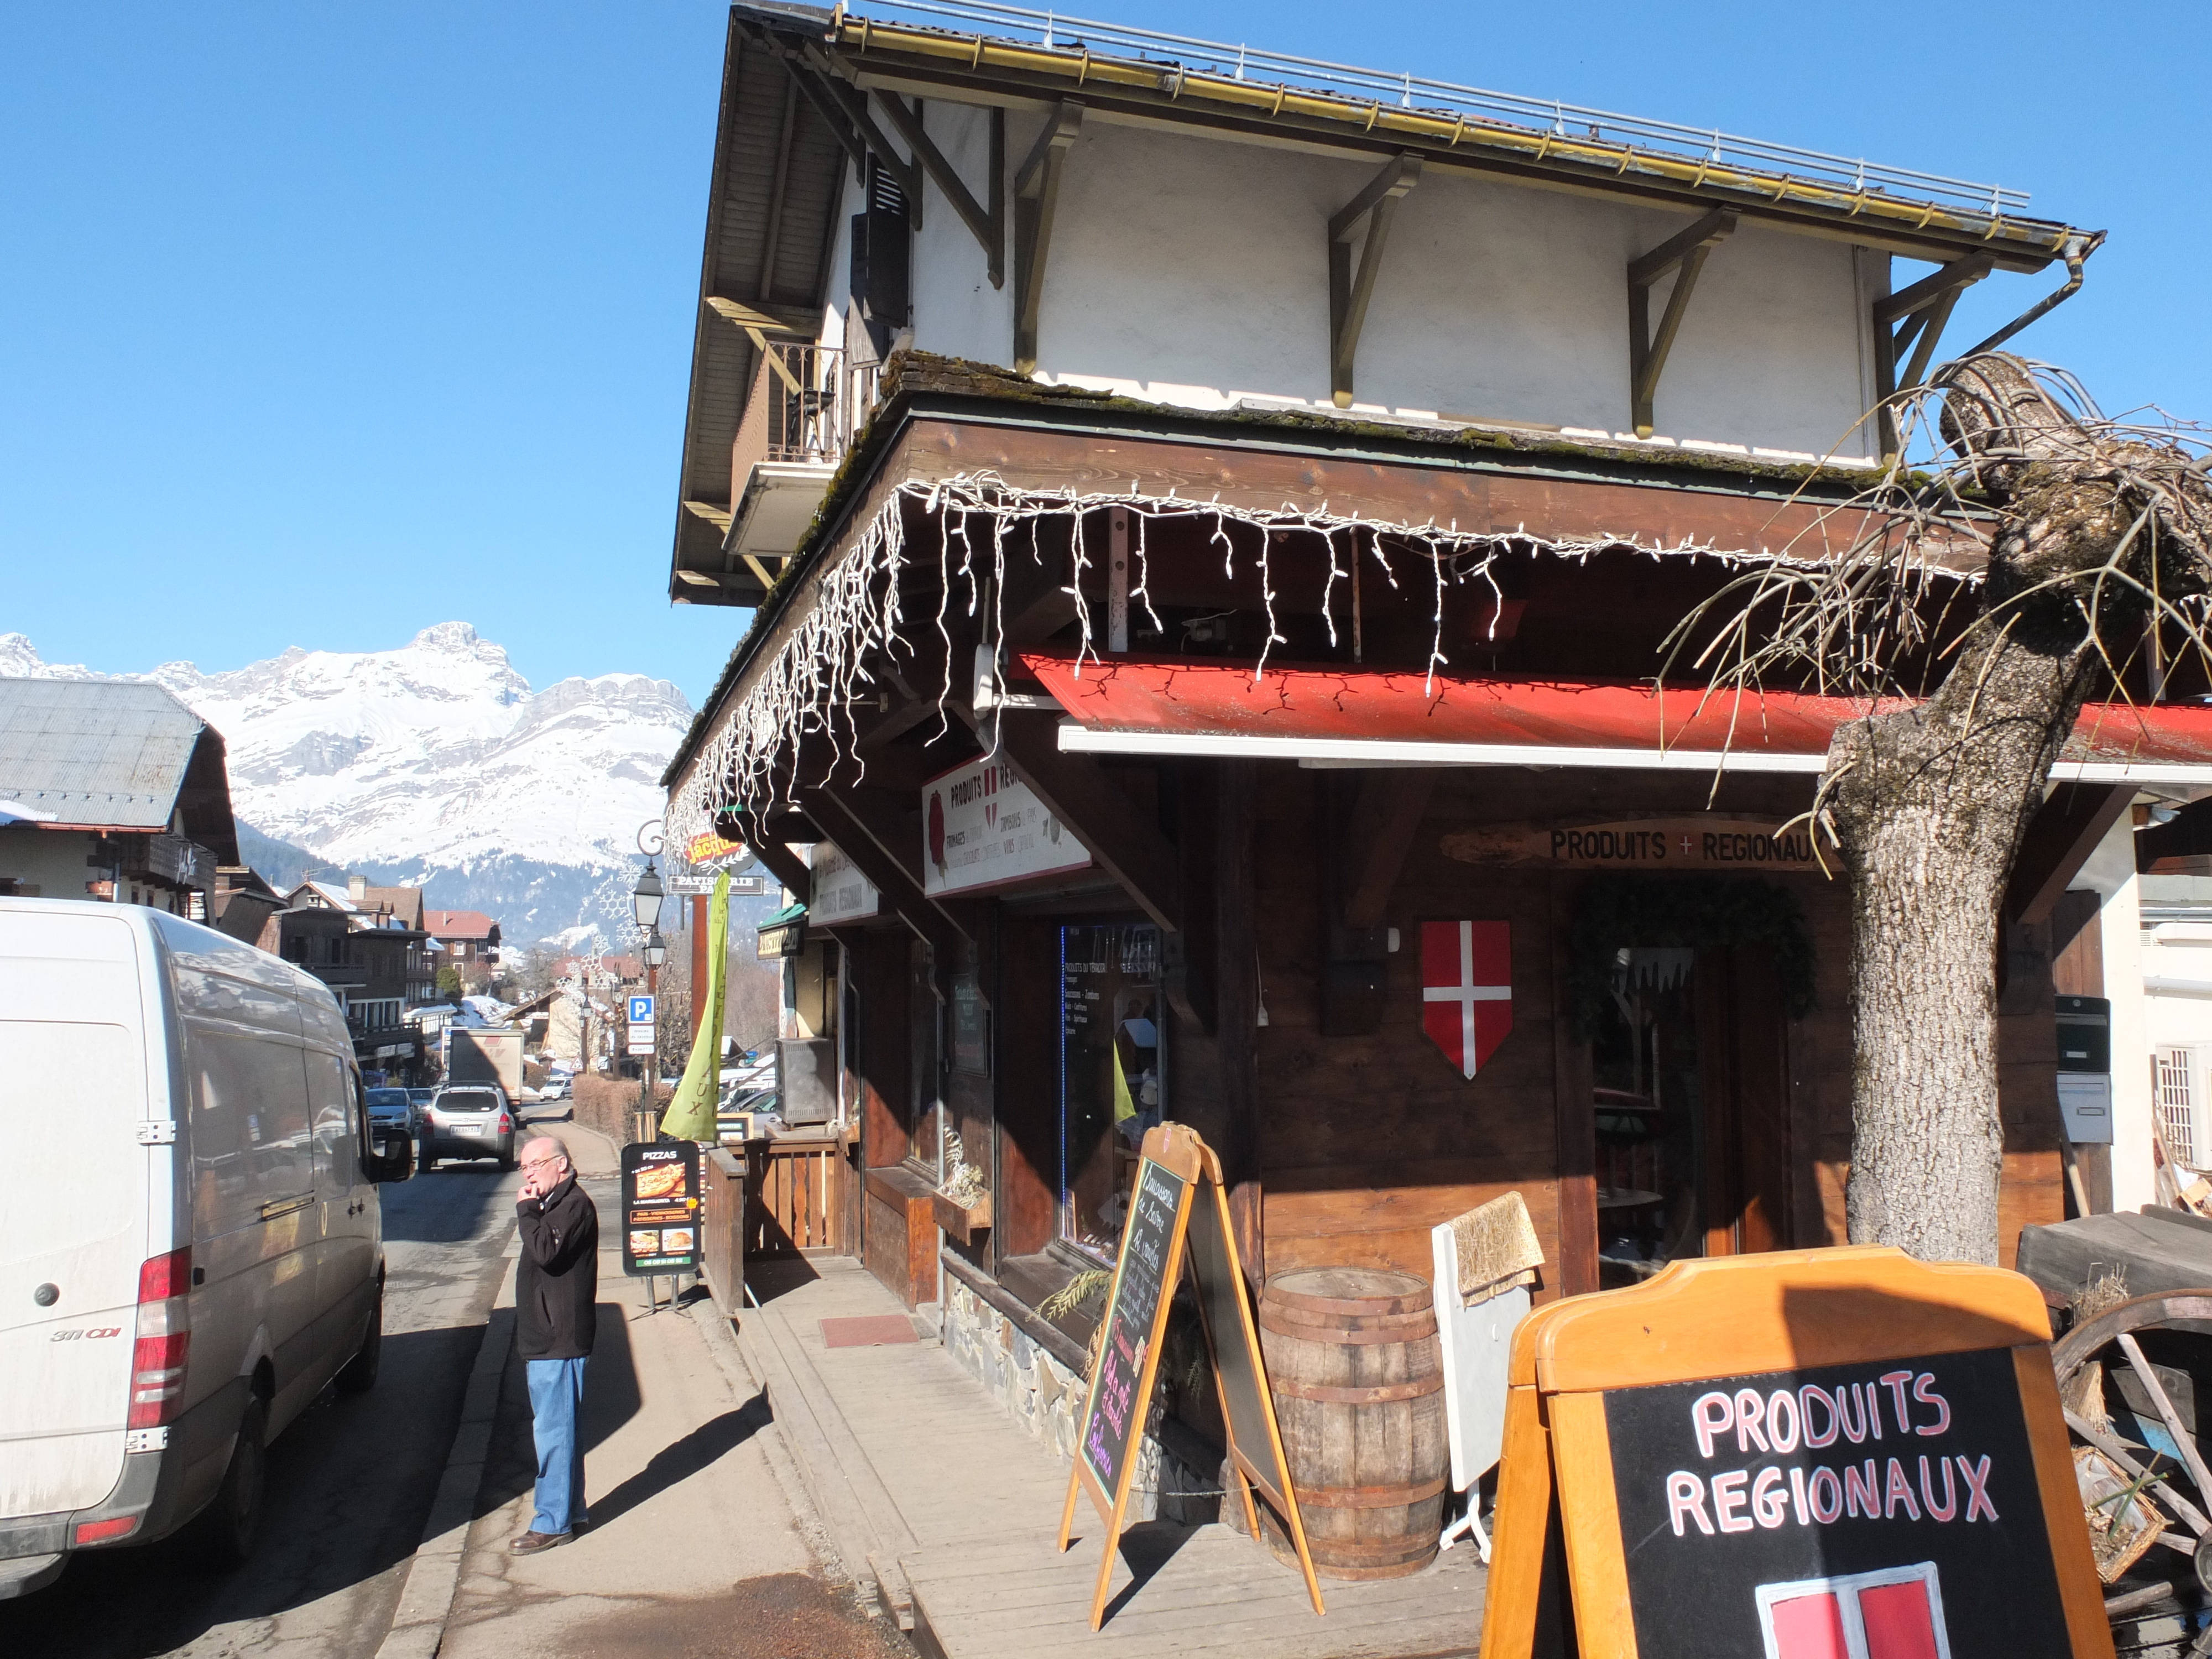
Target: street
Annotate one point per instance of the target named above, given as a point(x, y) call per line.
point(349, 1483)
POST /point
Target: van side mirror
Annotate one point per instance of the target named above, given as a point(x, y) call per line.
point(389, 1160)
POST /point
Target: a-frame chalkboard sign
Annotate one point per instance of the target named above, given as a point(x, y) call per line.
point(1813, 1452)
point(1178, 1219)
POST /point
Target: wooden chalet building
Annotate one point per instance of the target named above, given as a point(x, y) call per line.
point(1212, 522)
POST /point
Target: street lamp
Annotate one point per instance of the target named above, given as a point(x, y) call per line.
point(656, 949)
point(644, 899)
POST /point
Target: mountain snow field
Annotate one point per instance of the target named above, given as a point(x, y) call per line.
point(437, 762)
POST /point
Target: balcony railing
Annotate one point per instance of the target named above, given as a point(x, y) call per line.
point(805, 407)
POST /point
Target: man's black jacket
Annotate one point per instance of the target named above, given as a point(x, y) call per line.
point(556, 1285)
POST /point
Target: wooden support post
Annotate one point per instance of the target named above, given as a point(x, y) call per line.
point(1236, 989)
point(764, 281)
point(1646, 352)
point(1920, 312)
point(1117, 581)
point(1037, 196)
point(1189, 957)
point(854, 103)
point(1348, 294)
point(1574, 1106)
point(988, 226)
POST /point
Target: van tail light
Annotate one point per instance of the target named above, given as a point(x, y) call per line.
point(97, 1532)
point(163, 1342)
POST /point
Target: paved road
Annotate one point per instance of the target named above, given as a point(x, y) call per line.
point(349, 1483)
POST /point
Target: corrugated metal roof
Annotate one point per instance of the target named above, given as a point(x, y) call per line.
point(95, 751)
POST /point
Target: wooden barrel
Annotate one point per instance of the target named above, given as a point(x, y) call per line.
point(1357, 1378)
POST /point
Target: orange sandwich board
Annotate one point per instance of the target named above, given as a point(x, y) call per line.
point(1178, 1219)
point(1813, 1453)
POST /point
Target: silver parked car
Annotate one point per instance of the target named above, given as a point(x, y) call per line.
point(472, 1119)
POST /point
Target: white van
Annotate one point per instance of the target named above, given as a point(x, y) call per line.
point(191, 1246)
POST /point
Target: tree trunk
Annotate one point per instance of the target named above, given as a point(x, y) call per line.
point(1929, 805)
point(1929, 818)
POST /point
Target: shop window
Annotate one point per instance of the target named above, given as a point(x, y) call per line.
point(1651, 1155)
point(1110, 1078)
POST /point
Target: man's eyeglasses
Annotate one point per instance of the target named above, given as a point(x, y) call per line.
point(539, 1162)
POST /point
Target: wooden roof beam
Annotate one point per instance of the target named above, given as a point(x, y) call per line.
point(1037, 198)
point(988, 226)
point(1916, 313)
point(1684, 254)
point(854, 105)
point(1348, 294)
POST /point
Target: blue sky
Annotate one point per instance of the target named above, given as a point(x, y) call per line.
point(321, 324)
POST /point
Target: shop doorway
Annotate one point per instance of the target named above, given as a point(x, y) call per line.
point(1690, 1063)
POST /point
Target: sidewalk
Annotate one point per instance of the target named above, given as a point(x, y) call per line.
point(916, 1472)
point(694, 1548)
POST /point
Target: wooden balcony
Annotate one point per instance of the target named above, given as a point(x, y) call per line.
point(806, 407)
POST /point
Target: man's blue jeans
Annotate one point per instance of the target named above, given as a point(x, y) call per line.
point(556, 1404)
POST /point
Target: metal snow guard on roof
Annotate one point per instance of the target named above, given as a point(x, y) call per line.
point(1551, 127)
point(95, 751)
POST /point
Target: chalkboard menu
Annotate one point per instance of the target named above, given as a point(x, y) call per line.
point(1805, 1456)
point(1135, 1323)
point(660, 1196)
point(1177, 1201)
point(1759, 1513)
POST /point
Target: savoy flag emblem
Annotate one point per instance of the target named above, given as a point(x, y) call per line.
point(1467, 989)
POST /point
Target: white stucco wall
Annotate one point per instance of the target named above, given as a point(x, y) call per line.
point(46, 863)
point(1193, 270)
point(2111, 874)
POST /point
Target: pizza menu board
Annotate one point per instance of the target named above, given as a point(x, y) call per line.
point(1109, 1427)
point(1776, 1516)
point(661, 1201)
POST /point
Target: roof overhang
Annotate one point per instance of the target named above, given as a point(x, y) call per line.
point(1333, 717)
point(1140, 77)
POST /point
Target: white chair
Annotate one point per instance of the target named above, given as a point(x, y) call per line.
point(1475, 1331)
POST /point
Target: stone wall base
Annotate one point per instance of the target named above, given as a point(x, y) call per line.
point(1046, 1398)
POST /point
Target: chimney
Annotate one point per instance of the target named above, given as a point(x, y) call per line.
point(358, 889)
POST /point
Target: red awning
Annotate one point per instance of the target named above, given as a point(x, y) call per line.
point(1368, 717)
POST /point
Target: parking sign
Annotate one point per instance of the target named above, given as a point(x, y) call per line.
point(640, 1010)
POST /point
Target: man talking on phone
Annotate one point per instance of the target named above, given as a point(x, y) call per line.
point(557, 1286)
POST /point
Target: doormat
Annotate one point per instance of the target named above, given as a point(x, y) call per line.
point(868, 1331)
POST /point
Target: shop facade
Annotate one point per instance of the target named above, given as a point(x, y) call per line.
point(1299, 764)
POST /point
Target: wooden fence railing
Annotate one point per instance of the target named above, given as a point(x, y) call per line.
point(797, 1201)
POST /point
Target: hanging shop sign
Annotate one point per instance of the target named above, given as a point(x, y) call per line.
point(783, 934)
point(709, 851)
point(1703, 842)
point(660, 1199)
point(840, 892)
point(1811, 1453)
point(700, 886)
point(983, 827)
point(1178, 1221)
point(1467, 989)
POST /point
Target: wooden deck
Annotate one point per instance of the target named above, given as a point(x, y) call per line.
point(936, 1497)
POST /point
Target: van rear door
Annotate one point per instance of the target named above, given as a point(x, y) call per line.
point(73, 1202)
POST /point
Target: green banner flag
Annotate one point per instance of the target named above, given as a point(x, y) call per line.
point(690, 1115)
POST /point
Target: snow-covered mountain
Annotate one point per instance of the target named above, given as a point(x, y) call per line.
point(436, 763)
